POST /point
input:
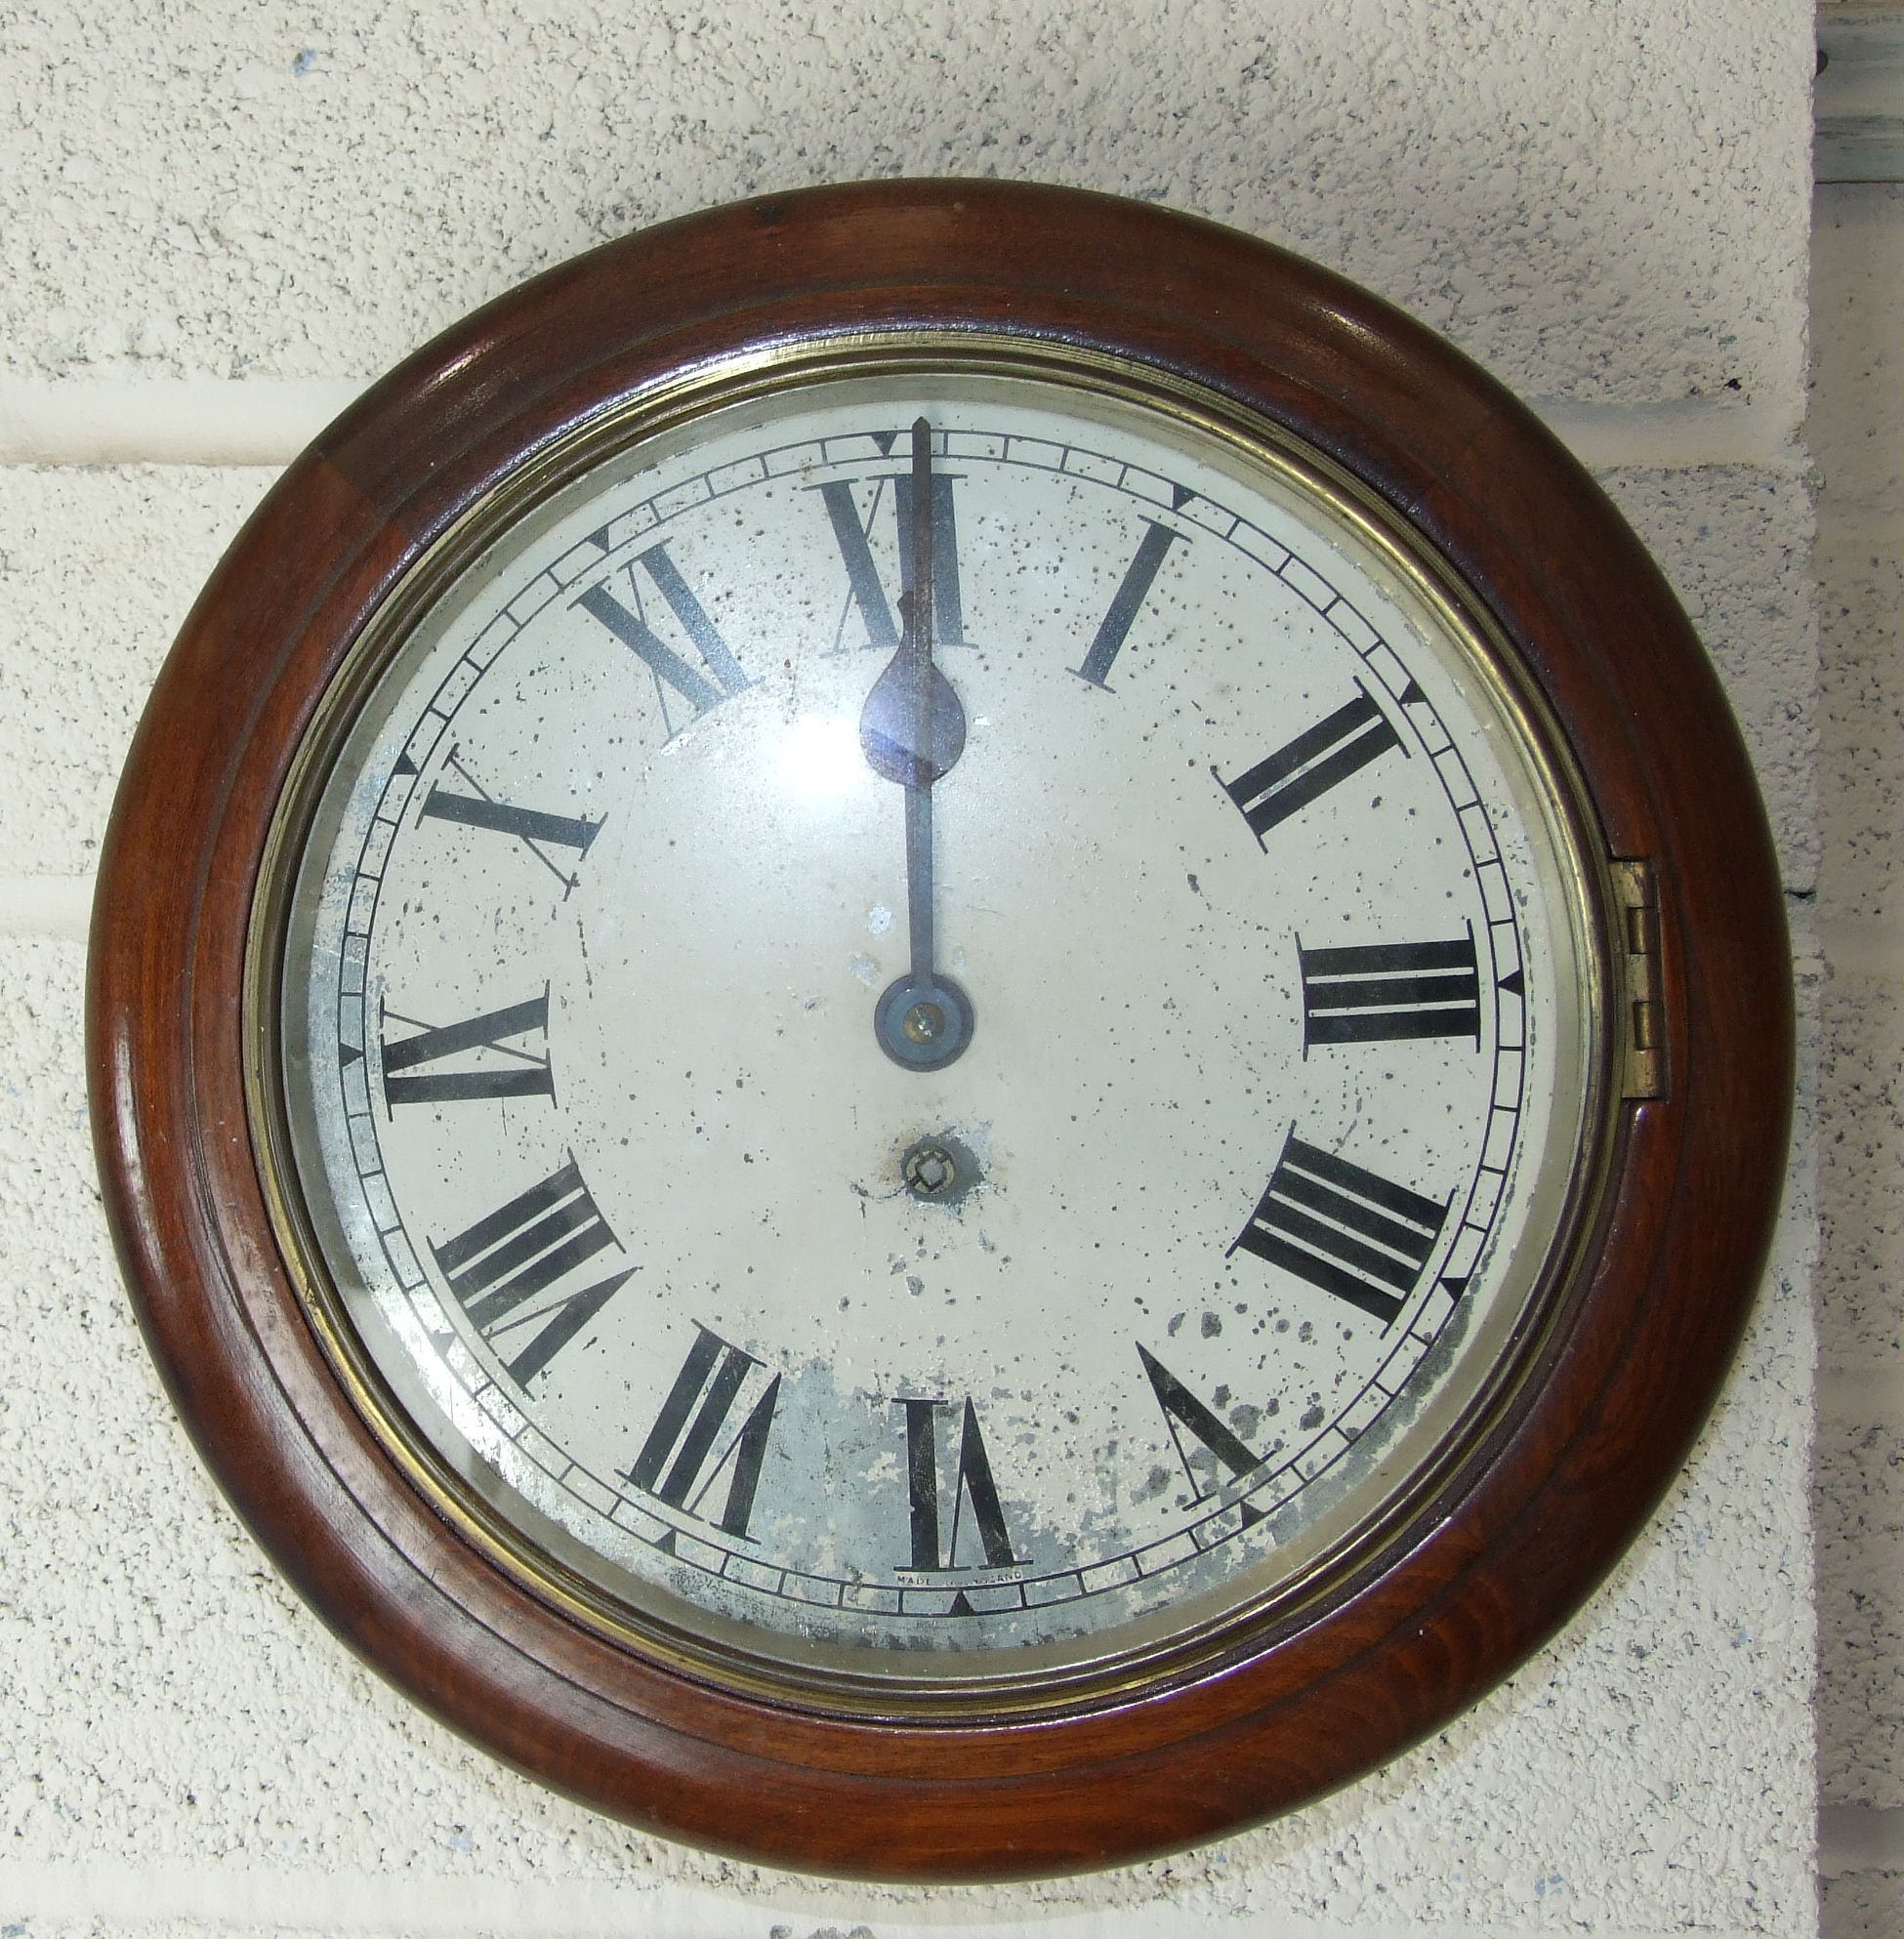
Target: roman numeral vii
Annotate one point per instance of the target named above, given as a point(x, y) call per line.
point(683, 1455)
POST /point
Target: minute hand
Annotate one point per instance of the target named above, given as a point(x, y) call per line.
point(913, 731)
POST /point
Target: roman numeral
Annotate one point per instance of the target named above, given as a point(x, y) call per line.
point(1389, 991)
point(972, 1482)
point(678, 1463)
point(530, 826)
point(502, 1263)
point(631, 627)
point(1184, 1410)
point(864, 589)
point(1312, 764)
point(529, 1077)
point(1125, 603)
point(1346, 1231)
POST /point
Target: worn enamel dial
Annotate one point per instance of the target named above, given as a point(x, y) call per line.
point(939, 1026)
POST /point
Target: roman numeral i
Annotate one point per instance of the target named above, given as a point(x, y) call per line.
point(1346, 1231)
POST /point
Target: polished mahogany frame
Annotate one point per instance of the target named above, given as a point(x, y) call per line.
point(1538, 1509)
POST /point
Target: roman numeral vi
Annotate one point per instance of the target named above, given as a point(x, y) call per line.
point(971, 1482)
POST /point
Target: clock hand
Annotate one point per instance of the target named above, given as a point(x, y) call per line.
point(912, 730)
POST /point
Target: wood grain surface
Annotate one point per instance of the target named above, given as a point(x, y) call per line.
point(1539, 1508)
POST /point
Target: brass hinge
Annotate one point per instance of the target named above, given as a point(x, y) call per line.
point(1644, 1027)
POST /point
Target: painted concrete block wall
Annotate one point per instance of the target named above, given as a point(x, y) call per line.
point(203, 208)
point(1857, 437)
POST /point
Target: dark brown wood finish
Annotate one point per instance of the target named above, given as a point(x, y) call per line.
point(1480, 1576)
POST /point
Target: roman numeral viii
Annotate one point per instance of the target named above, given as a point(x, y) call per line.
point(630, 625)
point(1311, 764)
point(1348, 1231)
point(1388, 991)
point(500, 1267)
point(864, 590)
point(680, 1460)
point(520, 1073)
point(971, 1482)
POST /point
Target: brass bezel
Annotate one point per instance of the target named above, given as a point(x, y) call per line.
point(662, 406)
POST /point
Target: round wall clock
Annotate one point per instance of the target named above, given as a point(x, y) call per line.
point(941, 1030)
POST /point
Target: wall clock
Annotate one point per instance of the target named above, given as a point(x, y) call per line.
point(940, 1029)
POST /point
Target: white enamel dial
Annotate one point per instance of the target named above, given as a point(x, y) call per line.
point(1241, 1184)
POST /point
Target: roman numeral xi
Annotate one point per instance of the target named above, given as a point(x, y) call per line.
point(1350, 1232)
point(719, 675)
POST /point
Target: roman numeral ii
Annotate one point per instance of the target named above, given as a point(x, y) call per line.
point(1310, 764)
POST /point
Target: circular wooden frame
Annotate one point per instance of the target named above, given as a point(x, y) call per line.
point(1542, 1505)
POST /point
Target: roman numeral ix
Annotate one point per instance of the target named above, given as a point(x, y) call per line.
point(680, 1460)
point(1348, 1231)
point(630, 625)
point(1389, 991)
point(522, 1073)
point(1313, 763)
point(971, 1482)
point(499, 1268)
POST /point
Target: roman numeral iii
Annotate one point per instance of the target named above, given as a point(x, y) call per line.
point(511, 1072)
point(1313, 763)
point(501, 1264)
point(682, 1458)
point(1350, 1232)
point(1389, 991)
point(971, 1482)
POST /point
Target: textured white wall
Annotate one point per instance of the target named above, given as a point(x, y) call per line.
point(212, 216)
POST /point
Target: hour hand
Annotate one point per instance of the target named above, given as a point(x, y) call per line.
point(913, 730)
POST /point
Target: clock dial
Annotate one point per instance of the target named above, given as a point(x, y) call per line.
point(937, 1026)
